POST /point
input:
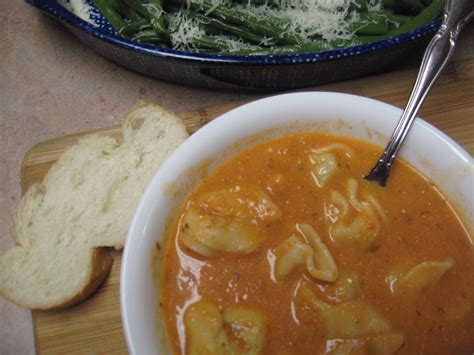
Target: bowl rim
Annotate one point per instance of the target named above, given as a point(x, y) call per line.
point(53, 8)
point(138, 228)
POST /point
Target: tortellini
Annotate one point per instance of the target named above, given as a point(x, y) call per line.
point(242, 203)
point(354, 325)
point(365, 227)
point(205, 234)
point(337, 208)
point(382, 344)
point(235, 331)
point(325, 163)
point(346, 288)
point(325, 167)
point(227, 220)
point(350, 319)
point(203, 324)
point(248, 327)
point(312, 253)
point(421, 276)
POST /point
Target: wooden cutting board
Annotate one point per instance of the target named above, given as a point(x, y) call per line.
point(94, 326)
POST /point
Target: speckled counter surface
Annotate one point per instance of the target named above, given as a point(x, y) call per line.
point(50, 85)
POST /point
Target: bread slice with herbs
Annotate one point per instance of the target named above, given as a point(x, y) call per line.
point(85, 204)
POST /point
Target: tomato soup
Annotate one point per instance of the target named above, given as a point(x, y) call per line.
point(287, 249)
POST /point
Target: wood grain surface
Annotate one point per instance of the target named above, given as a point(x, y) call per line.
point(94, 326)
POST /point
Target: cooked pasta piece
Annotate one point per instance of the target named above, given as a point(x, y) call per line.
point(381, 344)
point(354, 326)
point(241, 202)
point(205, 234)
point(385, 344)
point(248, 256)
point(337, 208)
point(325, 162)
point(343, 347)
point(248, 327)
point(378, 208)
point(335, 147)
point(312, 253)
point(203, 323)
point(351, 319)
point(237, 331)
point(371, 204)
point(325, 167)
point(364, 229)
point(352, 191)
point(346, 288)
point(227, 220)
point(422, 275)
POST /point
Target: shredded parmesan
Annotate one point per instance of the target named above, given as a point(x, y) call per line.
point(328, 19)
point(154, 9)
point(309, 20)
point(80, 8)
point(188, 29)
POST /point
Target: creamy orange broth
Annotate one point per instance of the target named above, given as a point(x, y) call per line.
point(421, 226)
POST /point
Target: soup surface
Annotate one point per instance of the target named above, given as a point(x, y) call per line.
point(286, 249)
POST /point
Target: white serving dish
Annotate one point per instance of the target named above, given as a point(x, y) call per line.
point(433, 153)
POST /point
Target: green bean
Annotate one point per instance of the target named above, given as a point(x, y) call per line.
point(155, 9)
point(410, 6)
point(258, 2)
point(242, 18)
point(358, 5)
point(135, 26)
point(230, 28)
point(413, 6)
point(133, 15)
point(429, 14)
point(110, 14)
point(208, 42)
point(148, 35)
point(315, 46)
point(395, 18)
point(371, 23)
point(212, 42)
point(373, 29)
point(152, 10)
point(123, 9)
point(279, 50)
point(390, 16)
point(137, 7)
point(147, 22)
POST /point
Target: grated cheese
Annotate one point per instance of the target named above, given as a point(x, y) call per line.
point(330, 20)
point(80, 8)
point(188, 29)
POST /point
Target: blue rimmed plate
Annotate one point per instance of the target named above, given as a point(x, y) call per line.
point(218, 71)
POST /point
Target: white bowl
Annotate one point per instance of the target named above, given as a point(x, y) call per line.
point(433, 153)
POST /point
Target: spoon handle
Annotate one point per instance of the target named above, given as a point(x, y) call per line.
point(439, 51)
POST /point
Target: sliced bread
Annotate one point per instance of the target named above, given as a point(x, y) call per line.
point(85, 203)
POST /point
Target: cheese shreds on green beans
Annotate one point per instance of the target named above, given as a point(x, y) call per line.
point(265, 26)
point(308, 19)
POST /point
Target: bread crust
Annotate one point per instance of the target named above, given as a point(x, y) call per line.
point(95, 253)
point(101, 262)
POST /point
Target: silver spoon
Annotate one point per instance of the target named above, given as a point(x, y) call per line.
point(441, 48)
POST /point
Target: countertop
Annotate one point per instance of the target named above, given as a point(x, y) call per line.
point(51, 85)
